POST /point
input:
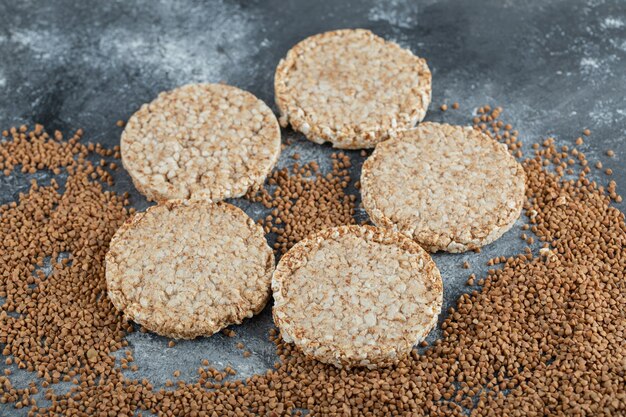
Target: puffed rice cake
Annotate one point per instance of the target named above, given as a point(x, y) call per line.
point(351, 88)
point(356, 296)
point(449, 188)
point(188, 268)
point(200, 141)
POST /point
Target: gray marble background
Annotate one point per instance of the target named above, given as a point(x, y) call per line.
point(556, 67)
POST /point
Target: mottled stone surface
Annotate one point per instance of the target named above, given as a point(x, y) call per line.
point(556, 66)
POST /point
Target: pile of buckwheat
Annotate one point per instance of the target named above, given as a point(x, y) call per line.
point(304, 201)
point(545, 335)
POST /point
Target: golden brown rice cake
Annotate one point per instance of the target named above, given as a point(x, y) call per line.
point(356, 296)
point(449, 188)
point(189, 268)
point(200, 141)
point(351, 88)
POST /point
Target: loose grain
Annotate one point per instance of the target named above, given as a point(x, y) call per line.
point(489, 123)
point(229, 333)
point(304, 200)
point(543, 336)
point(58, 324)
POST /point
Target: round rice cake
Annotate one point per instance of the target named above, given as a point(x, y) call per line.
point(351, 88)
point(356, 296)
point(200, 141)
point(449, 188)
point(188, 268)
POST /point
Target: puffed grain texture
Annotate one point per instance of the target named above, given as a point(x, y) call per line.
point(188, 268)
point(356, 296)
point(200, 141)
point(351, 88)
point(449, 188)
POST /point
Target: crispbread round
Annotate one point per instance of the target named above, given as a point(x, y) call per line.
point(356, 296)
point(201, 141)
point(351, 88)
point(189, 268)
point(449, 188)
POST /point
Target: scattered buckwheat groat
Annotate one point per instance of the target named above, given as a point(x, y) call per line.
point(449, 188)
point(206, 141)
point(55, 319)
point(356, 296)
point(487, 121)
point(351, 88)
point(305, 201)
point(189, 268)
point(543, 335)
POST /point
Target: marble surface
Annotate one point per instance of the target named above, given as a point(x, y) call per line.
point(556, 67)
